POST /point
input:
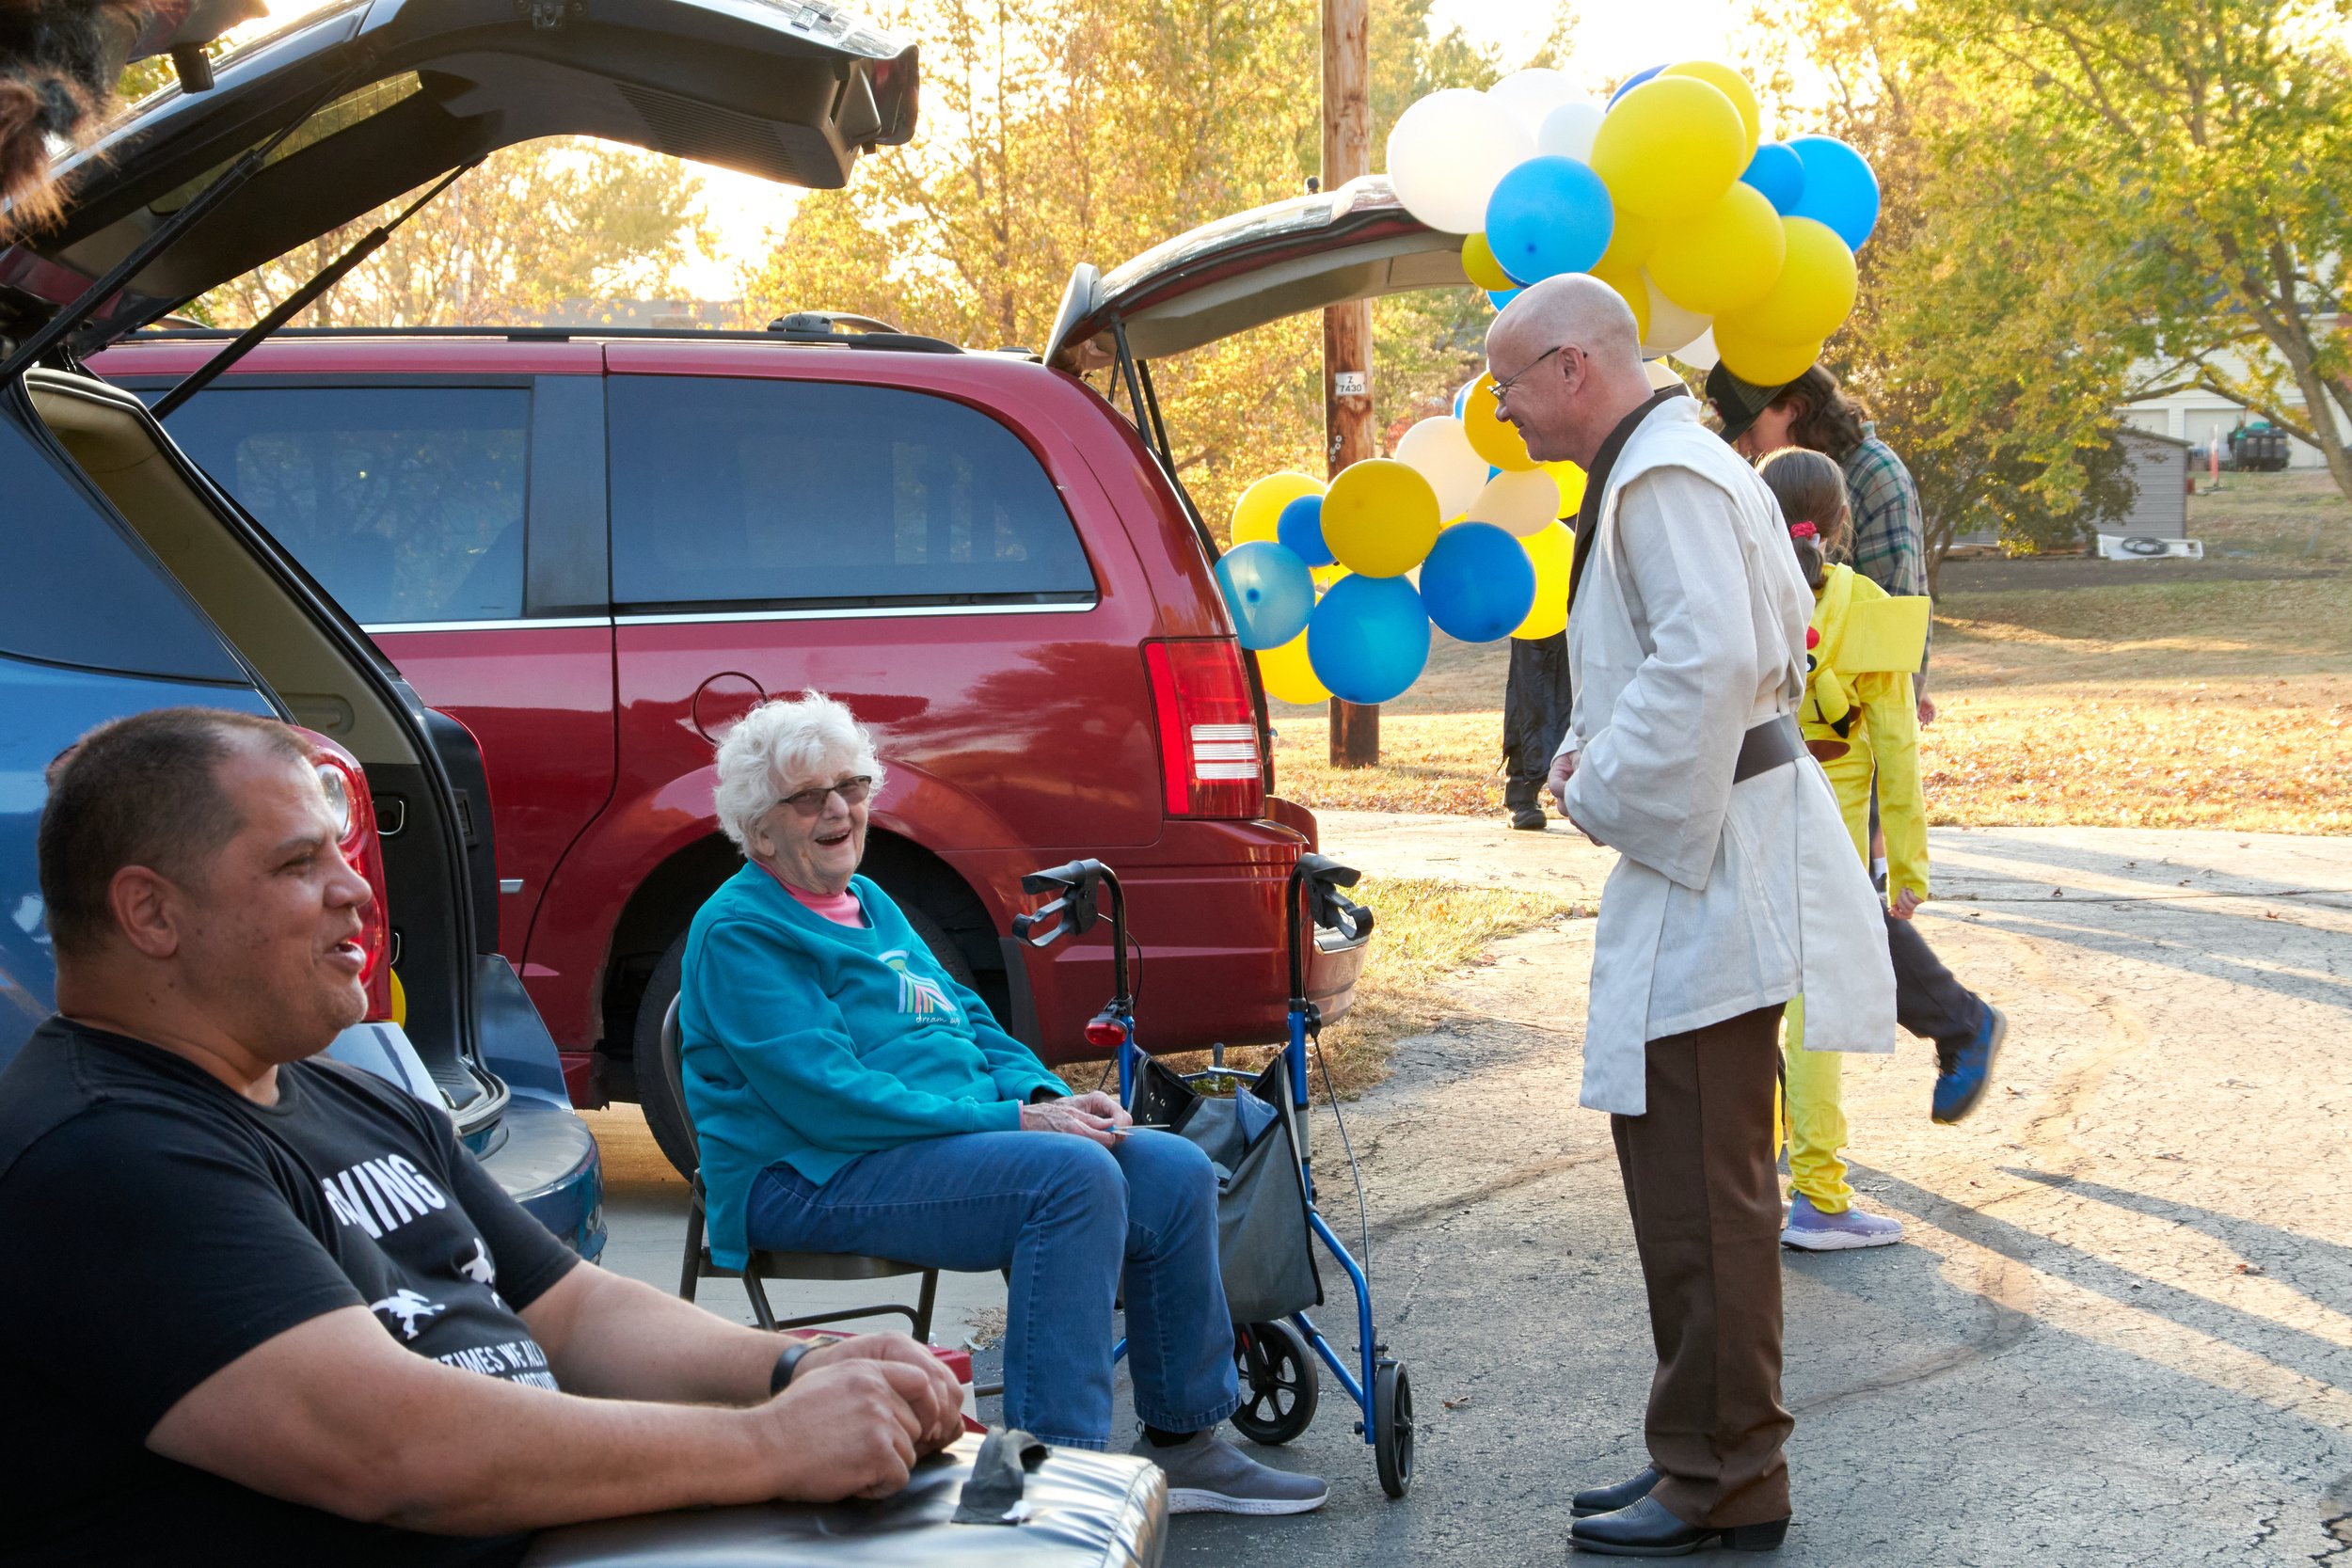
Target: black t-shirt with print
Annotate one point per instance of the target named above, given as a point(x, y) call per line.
point(154, 1226)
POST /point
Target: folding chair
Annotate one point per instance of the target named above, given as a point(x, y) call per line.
point(781, 1265)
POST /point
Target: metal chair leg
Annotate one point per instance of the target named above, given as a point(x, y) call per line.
point(762, 1313)
point(923, 1304)
point(692, 1272)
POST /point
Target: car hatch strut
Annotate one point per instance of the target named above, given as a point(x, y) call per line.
point(47, 335)
point(299, 301)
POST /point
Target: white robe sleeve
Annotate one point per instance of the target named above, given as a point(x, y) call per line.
point(1654, 783)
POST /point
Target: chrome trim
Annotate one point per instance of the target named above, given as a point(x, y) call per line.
point(550, 623)
point(893, 612)
point(509, 884)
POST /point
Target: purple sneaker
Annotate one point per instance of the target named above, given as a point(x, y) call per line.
point(1810, 1231)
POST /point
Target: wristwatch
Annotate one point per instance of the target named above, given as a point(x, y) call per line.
point(789, 1362)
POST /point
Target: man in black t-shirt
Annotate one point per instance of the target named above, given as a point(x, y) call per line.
point(260, 1309)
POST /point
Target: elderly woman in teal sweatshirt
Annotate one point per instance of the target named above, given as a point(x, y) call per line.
point(853, 1097)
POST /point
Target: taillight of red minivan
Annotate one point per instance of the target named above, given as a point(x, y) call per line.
point(1210, 765)
point(346, 786)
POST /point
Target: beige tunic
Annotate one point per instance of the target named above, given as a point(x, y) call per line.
point(1689, 629)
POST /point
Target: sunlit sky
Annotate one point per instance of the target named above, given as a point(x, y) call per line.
point(1611, 40)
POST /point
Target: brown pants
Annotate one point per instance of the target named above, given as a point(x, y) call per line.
point(1700, 1180)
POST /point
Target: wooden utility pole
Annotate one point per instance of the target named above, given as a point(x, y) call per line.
point(1347, 328)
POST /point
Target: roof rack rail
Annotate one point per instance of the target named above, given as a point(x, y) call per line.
point(897, 342)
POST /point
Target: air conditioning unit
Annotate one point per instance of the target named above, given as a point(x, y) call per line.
point(2141, 547)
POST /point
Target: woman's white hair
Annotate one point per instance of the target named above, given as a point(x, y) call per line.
point(783, 746)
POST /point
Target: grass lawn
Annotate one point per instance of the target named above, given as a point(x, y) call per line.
point(2185, 699)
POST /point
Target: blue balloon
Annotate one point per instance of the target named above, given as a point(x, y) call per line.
point(1300, 529)
point(1636, 80)
point(1369, 639)
point(1499, 298)
point(1547, 216)
point(1839, 189)
point(1779, 173)
point(1269, 590)
point(1477, 584)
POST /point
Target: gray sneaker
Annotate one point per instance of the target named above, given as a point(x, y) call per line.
point(1810, 1231)
point(1208, 1475)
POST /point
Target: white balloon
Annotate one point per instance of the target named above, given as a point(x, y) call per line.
point(1568, 132)
point(1671, 326)
point(1522, 504)
point(1448, 152)
point(1662, 375)
point(1700, 353)
point(1532, 94)
point(1441, 451)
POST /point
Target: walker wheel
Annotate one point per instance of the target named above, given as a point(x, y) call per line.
point(1392, 1427)
point(1278, 1381)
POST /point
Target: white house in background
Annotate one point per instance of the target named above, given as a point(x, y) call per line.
point(2200, 417)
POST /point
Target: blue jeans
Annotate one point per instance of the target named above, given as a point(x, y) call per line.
point(1068, 1217)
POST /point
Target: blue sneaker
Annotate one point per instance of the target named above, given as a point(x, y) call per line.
point(1810, 1231)
point(1958, 1091)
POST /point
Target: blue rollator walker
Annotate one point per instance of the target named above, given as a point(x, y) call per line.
point(1275, 1359)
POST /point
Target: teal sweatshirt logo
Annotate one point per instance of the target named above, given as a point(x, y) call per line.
point(918, 996)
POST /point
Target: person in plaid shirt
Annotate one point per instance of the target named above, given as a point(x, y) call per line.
point(1889, 548)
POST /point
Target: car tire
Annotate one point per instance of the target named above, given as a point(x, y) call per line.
point(664, 1114)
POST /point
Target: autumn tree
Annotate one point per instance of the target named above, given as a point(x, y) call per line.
point(1056, 131)
point(2089, 202)
point(534, 227)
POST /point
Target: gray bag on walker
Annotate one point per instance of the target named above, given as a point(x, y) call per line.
point(1263, 1247)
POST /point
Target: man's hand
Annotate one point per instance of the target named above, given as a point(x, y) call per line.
point(1927, 710)
point(1562, 770)
point(938, 1405)
point(1906, 904)
point(847, 1430)
point(1074, 1115)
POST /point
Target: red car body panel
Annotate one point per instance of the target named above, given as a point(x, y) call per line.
point(1013, 739)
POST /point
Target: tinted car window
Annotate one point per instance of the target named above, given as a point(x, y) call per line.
point(74, 591)
point(406, 502)
point(752, 493)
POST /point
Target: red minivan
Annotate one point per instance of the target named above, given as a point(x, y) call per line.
point(597, 548)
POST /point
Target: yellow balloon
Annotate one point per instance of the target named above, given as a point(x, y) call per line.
point(1478, 261)
point(1551, 551)
point(1814, 295)
point(1260, 506)
point(1627, 283)
point(1288, 676)
point(1670, 147)
point(1629, 243)
point(1724, 260)
point(1491, 437)
point(1732, 86)
point(1380, 517)
point(1571, 481)
point(1763, 360)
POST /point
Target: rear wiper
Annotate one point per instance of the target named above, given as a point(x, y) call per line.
point(298, 301)
point(51, 331)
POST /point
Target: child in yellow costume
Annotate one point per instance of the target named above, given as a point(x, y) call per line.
point(1859, 718)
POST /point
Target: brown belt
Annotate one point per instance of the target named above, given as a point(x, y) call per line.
point(1775, 741)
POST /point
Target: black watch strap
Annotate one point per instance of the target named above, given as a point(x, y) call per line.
point(786, 1364)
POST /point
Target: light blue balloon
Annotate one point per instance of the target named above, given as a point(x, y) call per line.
point(1369, 639)
point(1461, 395)
point(1477, 584)
point(1269, 590)
point(1779, 173)
point(1636, 80)
point(1549, 215)
point(1499, 299)
point(1299, 530)
point(1839, 189)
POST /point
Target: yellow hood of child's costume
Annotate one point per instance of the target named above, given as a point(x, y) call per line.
point(1859, 628)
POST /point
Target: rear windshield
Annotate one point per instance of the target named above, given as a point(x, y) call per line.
point(405, 502)
point(777, 494)
point(75, 591)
